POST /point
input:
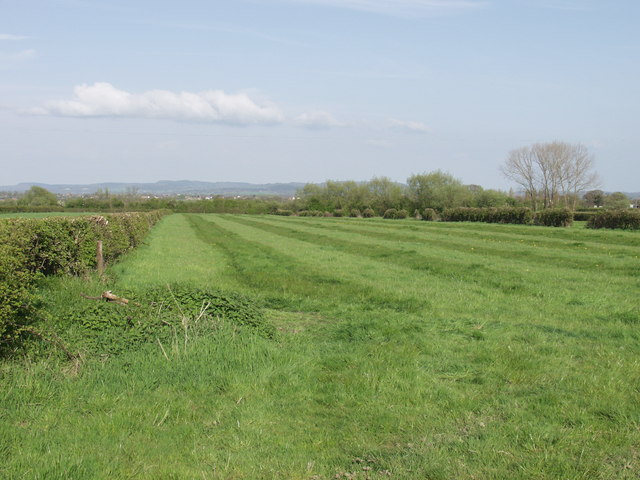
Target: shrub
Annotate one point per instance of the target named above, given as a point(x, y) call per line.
point(338, 212)
point(619, 219)
point(327, 214)
point(30, 248)
point(355, 213)
point(368, 213)
point(282, 212)
point(390, 213)
point(429, 215)
point(554, 217)
point(402, 214)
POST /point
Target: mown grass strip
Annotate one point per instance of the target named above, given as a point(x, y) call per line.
point(537, 234)
point(569, 254)
point(529, 287)
point(264, 269)
point(168, 261)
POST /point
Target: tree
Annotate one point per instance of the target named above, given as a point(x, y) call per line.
point(551, 172)
point(38, 197)
point(617, 201)
point(384, 194)
point(489, 198)
point(594, 198)
point(437, 190)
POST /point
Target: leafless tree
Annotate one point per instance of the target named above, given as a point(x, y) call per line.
point(551, 172)
point(520, 168)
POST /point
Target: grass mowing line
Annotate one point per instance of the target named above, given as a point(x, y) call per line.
point(593, 305)
point(572, 254)
point(523, 281)
point(533, 354)
point(445, 295)
point(535, 234)
point(255, 266)
point(435, 264)
point(167, 260)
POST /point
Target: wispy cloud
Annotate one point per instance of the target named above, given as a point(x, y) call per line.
point(400, 7)
point(569, 5)
point(10, 37)
point(317, 120)
point(409, 126)
point(221, 28)
point(17, 56)
point(216, 106)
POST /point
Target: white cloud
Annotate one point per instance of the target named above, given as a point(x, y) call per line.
point(17, 56)
point(317, 120)
point(8, 36)
point(104, 100)
point(401, 7)
point(409, 126)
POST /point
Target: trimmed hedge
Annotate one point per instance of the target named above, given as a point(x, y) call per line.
point(584, 216)
point(554, 217)
point(619, 219)
point(515, 215)
point(32, 247)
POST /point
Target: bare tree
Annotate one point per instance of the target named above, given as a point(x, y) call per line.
point(520, 168)
point(551, 172)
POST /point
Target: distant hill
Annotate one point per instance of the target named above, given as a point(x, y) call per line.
point(167, 187)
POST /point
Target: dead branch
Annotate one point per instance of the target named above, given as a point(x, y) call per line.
point(108, 296)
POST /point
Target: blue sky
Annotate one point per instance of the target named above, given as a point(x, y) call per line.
point(308, 90)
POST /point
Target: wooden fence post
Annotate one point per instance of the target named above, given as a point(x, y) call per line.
point(99, 258)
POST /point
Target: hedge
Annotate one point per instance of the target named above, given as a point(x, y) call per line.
point(33, 247)
point(515, 215)
point(554, 217)
point(620, 219)
point(584, 216)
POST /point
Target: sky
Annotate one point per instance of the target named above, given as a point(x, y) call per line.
point(267, 91)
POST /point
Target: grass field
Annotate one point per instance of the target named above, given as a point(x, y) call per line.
point(404, 349)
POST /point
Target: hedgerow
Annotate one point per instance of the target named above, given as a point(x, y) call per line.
point(619, 219)
point(584, 216)
point(30, 248)
point(554, 217)
point(514, 215)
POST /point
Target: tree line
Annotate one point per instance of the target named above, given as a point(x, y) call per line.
point(548, 175)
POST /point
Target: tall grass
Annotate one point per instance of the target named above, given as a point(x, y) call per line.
point(405, 350)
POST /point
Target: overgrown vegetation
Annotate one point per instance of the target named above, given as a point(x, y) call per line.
point(34, 247)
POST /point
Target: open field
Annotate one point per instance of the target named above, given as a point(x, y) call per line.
point(404, 349)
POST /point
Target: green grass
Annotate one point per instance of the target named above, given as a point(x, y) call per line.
point(404, 350)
